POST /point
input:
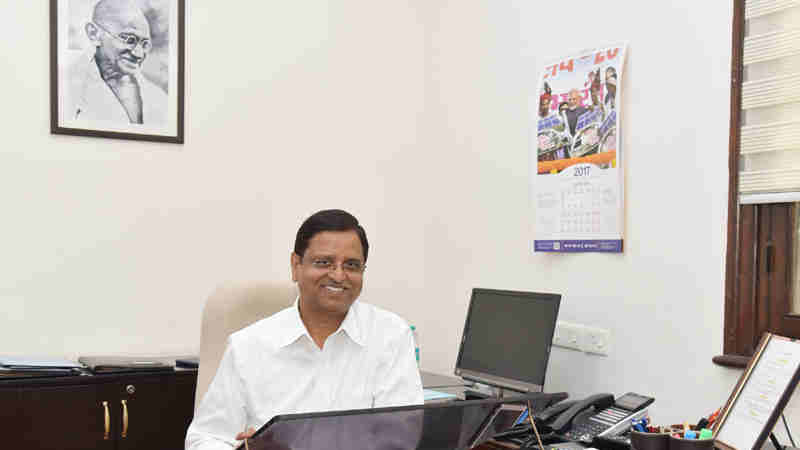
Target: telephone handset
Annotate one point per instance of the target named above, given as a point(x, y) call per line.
point(598, 401)
point(552, 412)
point(600, 415)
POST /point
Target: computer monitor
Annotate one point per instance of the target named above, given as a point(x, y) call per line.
point(449, 425)
point(507, 338)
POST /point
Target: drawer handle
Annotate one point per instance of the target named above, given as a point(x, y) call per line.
point(124, 418)
point(107, 434)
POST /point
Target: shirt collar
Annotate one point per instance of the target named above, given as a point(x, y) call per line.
point(352, 326)
point(295, 328)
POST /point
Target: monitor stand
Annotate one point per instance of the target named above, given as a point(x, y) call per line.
point(469, 394)
point(480, 391)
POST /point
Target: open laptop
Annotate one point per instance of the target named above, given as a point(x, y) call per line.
point(437, 426)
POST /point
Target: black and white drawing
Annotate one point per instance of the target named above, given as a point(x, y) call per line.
point(117, 68)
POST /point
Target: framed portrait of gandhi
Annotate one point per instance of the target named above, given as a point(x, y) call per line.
point(117, 69)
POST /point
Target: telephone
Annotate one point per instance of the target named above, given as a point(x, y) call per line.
point(598, 415)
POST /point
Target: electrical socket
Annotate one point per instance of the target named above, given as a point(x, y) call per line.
point(596, 340)
point(568, 335)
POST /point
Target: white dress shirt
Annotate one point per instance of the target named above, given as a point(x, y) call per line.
point(274, 367)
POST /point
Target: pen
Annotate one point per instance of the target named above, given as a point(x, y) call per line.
point(522, 417)
point(712, 417)
point(246, 447)
point(533, 425)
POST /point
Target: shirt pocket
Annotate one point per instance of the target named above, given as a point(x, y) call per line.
point(356, 382)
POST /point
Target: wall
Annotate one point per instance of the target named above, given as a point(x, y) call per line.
point(662, 298)
point(113, 246)
point(412, 116)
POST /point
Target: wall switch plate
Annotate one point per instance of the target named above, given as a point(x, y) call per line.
point(568, 335)
point(596, 340)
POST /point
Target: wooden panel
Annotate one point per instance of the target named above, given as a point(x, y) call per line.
point(732, 274)
point(66, 413)
point(764, 243)
point(64, 418)
point(159, 412)
point(745, 302)
point(781, 275)
point(10, 420)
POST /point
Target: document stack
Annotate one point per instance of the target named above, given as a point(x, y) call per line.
point(122, 364)
point(33, 366)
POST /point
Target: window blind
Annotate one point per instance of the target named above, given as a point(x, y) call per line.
point(769, 166)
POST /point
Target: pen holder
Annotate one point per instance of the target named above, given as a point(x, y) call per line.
point(676, 443)
point(649, 441)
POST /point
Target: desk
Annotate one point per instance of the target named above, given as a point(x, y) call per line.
point(69, 413)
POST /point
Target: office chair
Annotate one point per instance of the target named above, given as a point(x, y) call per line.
point(230, 308)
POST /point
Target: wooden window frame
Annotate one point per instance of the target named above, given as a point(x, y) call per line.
point(759, 257)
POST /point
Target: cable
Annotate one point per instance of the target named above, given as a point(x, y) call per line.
point(788, 433)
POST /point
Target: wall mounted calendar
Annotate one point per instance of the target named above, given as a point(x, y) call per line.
point(576, 160)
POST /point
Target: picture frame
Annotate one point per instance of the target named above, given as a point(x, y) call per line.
point(117, 69)
point(760, 395)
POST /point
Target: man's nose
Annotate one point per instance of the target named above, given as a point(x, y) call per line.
point(138, 51)
point(337, 273)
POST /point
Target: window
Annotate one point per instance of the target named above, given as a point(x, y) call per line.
point(762, 289)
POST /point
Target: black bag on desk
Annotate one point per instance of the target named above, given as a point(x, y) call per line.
point(124, 364)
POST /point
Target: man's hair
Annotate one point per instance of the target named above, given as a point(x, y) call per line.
point(328, 220)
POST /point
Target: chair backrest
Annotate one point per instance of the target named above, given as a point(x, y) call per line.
point(230, 308)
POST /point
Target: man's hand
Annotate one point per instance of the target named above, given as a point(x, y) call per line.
point(246, 434)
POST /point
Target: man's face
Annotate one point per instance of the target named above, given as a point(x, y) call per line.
point(123, 47)
point(325, 274)
point(574, 99)
point(544, 105)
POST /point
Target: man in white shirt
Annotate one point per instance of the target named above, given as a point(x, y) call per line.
point(326, 352)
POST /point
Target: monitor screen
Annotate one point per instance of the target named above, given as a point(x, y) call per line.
point(507, 338)
point(449, 425)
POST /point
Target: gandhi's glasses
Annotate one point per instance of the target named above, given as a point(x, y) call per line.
point(351, 266)
point(129, 39)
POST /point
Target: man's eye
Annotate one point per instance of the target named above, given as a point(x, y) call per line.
point(130, 40)
point(321, 263)
point(352, 265)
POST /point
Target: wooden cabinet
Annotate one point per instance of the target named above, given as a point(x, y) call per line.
point(109, 412)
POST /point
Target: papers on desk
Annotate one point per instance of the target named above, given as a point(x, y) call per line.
point(36, 362)
point(122, 364)
point(430, 395)
point(28, 366)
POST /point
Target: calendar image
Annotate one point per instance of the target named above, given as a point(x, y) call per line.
point(576, 159)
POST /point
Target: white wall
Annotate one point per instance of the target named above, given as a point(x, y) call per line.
point(413, 117)
point(112, 246)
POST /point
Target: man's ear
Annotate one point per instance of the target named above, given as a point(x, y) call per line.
point(294, 261)
point(93, 33)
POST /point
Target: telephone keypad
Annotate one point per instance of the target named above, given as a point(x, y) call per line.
point(598, 423)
